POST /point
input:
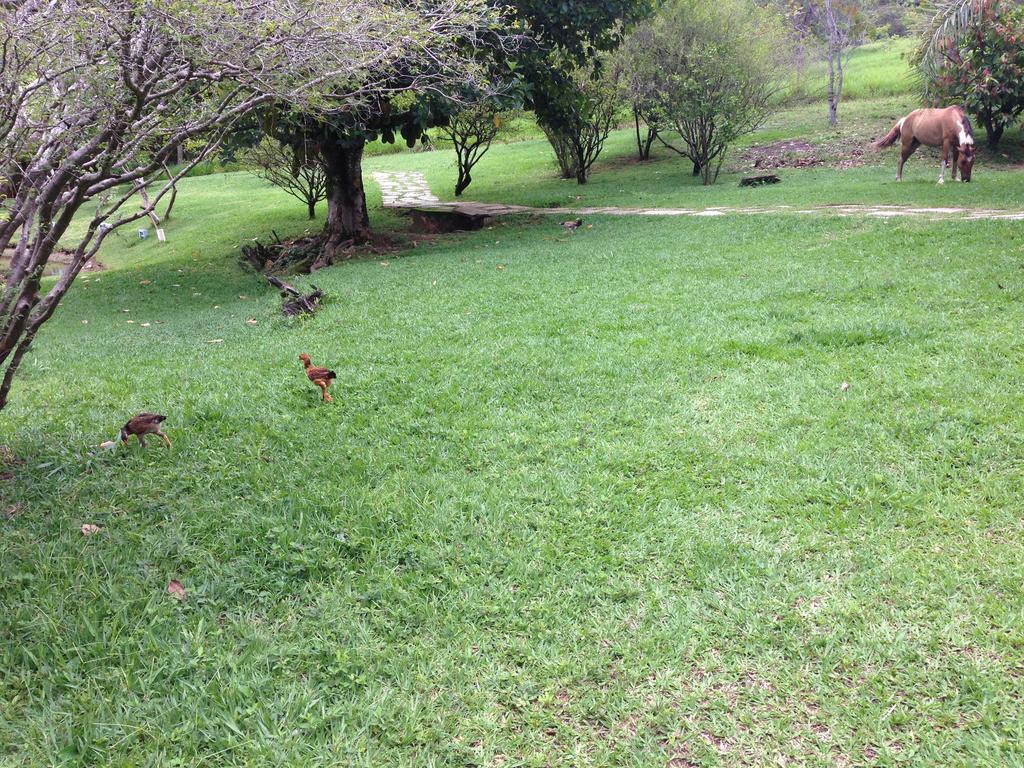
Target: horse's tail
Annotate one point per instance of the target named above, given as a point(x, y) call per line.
point(890, 138)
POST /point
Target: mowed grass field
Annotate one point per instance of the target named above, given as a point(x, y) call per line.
point(581, 500)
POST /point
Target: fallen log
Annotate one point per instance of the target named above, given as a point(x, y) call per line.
point(295, 302)
point(756, 181)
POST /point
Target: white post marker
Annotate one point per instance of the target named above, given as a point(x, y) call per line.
point(160, 236)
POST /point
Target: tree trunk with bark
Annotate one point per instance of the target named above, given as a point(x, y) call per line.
point(347, 218)
point(643, 143)
point(993, 130)
point(838, 42)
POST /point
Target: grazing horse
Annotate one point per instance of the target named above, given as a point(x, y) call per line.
point(948, 128)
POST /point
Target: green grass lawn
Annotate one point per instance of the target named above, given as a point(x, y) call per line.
point(587, 500)
point(873, 71)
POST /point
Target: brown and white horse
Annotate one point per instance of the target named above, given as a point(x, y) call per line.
point(948, 128)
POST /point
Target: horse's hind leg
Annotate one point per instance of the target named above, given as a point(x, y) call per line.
point(906, 151)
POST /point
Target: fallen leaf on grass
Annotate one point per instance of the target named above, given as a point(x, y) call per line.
point(144, 325)
point(88, 529)
point(251, 321)
point(85, 322)
point(131, 322)
point(242, 296)
point(215, 341)
point(500, 266)
point(14, 510)
point(175, 589)
point(844, 386)
point(145, 282)
point(7, 456)
point(108, 444)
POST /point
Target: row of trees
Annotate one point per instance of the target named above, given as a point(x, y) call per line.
point(696, 75)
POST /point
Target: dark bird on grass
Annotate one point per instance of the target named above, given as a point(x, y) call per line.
point(322, 377)
point(142, 425)
point(572, 226)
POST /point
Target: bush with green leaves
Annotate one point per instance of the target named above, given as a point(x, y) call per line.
point(589, 107)
point(708, 74)
point(984, 70)
point(472, 129)
point(295, 170)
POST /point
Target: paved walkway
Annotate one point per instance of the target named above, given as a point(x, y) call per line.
point(410, 190)
point(404, 190)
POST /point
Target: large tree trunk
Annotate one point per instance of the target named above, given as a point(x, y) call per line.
point(347, 218)
point(993, 131)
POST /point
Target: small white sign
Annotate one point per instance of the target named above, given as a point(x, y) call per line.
point(160, 236)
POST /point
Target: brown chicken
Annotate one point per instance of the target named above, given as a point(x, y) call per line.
point(142, 425)
point(322, 377)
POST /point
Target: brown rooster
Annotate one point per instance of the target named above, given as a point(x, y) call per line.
point(142, 425)
point(322, 377)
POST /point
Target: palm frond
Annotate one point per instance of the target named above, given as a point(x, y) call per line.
point(949, 20)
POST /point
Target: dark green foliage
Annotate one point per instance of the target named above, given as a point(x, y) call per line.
point(984, 71)
point(580, 28)
point(568, 36)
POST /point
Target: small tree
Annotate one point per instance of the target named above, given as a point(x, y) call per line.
point(296, 170)
point(843, 20)
point(635, 73)
point(985, 72)
point(578, 129)
point(717, 66)
point(471, 131)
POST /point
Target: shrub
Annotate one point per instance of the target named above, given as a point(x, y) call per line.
point(984, 71)
point(586, 114)
point(297, 171)
point(706, 71)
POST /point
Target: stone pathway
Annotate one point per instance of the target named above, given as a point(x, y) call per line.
point(409, 189)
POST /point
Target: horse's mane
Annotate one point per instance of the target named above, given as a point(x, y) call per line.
point(966, 123)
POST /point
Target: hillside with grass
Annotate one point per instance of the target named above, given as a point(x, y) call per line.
point(666, 491)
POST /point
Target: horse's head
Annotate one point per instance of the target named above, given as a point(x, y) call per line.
point(965, 161)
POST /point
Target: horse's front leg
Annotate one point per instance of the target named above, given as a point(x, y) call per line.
point(956, 160)
point(945, 160)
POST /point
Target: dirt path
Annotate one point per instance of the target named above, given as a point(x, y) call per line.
point(410, 190)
